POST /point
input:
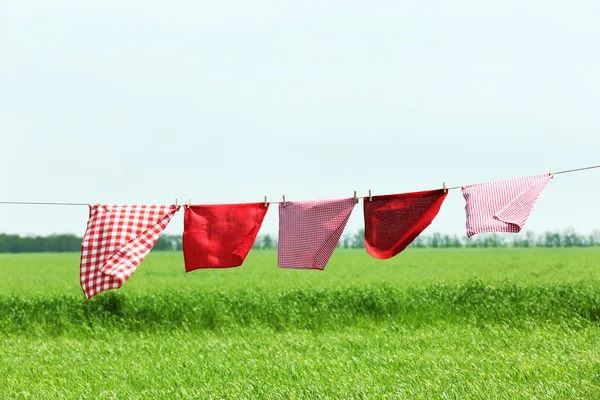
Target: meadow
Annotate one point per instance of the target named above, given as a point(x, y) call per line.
point(429, 323)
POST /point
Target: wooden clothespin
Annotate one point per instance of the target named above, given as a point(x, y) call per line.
point(370, 197)
point(551, 174)
point(355, 198)
point(284, 200)
point(266, 202)
point(189, 203)
point(444, 187)
point(176, 203)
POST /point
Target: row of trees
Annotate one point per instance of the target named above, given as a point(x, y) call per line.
point(568, 238)
point(65, 243)
point(32, 244)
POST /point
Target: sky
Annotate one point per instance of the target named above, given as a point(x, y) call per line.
point(227, 101)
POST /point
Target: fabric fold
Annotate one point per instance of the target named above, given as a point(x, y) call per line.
point(221, 235)
point(117, 239)
point(393, 221)
point(310, 230)
point(502, 206)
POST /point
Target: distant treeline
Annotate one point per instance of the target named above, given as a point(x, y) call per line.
point(569, 238)
point(64, 243)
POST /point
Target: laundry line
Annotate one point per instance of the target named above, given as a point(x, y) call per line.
point(49, 203)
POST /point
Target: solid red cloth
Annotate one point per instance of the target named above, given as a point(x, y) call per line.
point(393, 221)
point(220, 235)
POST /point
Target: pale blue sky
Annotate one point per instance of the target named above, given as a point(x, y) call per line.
point(227, 101)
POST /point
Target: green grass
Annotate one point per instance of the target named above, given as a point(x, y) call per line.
point(396, 362)
point(473, 303)
point(457, 323)
point(56, 273)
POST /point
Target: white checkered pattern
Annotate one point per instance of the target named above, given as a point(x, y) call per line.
point(310, 230)
point(502, 206)
point(117, 239)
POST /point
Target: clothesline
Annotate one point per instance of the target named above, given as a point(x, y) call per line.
point(119, 236)
point(577, 169)
point(274, 202)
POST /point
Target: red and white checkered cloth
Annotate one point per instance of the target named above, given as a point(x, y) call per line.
point(502, 206)
point(117, 239)
point(310, 230)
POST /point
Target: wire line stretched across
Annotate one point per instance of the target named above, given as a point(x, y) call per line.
point(271, 202)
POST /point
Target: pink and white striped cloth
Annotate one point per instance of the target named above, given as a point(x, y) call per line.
point(502, 206)
point(117, 239)
point(310, 230)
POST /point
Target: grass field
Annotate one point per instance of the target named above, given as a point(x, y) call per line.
point(457, 323)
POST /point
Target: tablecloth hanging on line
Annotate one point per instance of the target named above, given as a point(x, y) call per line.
point(117, 239)
point(393, 221)
point(220, 235)
point(310, 230)
point(502, 206)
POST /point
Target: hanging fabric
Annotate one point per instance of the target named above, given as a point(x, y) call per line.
point(502, 206)
point(117, 239)
point(220, 236)
point(310, 230)
point(393, 221)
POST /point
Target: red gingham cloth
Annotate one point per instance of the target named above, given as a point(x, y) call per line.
point(393, 221)
point(220, 235)
point(310, 230)
point(502, 206)
point(117, 239)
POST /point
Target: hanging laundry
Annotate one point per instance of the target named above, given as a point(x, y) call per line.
point(117, 239)
point(502, 206)
point(309, 231)
point(220, 236)
point(392, 222)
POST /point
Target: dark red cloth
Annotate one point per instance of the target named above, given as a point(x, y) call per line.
point(393, 221)
point(221, 235)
